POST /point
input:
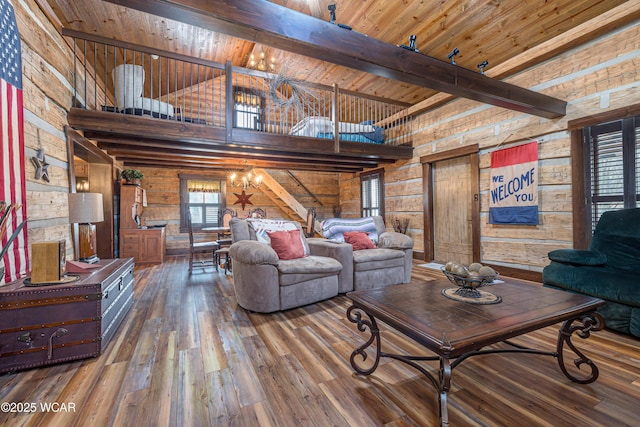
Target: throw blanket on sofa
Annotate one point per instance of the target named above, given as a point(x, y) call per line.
point(262, 226)
point(334, 228)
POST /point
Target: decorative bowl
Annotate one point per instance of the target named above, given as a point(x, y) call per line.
point(467, 282)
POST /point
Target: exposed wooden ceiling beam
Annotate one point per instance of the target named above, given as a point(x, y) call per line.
point(614, 18)
point(277, 26)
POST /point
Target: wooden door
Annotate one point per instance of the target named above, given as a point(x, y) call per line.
point(452, 204)
point(451, 195)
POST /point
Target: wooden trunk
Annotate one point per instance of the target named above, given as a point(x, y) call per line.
point(44, 325)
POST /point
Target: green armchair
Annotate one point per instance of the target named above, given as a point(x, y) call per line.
point(609, 270)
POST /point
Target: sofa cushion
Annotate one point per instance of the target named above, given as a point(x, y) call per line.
point(308, 268)
point(617, 234)
point(334, 228)
point(601, 282)
point(577, 256)
point(287, 244)
point(623, 252)
point(394, 240)
point(359, 240)
point(240, 230)
point(252, 252)
point(262, 226)
point(377, 259)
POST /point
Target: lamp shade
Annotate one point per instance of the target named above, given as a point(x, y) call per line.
point(85, 208)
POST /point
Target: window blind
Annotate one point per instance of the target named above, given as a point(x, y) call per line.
point(613, 178)
point(371, 194)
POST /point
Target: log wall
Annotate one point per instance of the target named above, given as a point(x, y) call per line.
point(163, 198)
point(596, 77)
point(47, 65)
point(593, 78)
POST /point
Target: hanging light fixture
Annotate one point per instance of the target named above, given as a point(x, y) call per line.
point(261, 64)
point(246, 181)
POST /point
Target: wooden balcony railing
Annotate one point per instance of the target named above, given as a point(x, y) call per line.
point(123, 78)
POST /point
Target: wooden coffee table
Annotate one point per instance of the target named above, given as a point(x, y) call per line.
point(456, 330)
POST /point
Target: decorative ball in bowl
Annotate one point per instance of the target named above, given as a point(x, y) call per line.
point(469, 277)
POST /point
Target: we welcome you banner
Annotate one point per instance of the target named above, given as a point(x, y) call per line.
point(514, 185)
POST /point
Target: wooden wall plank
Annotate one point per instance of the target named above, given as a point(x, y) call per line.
point(596, 77)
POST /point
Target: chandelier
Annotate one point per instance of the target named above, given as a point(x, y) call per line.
point(261, 64)
point(246, 181)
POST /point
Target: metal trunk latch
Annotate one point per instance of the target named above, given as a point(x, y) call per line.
point(25, 338)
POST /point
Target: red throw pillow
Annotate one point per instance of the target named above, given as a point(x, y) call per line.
point(287, 244)
point(359, 240)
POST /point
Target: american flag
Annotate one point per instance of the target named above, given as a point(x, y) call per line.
point(12, 180)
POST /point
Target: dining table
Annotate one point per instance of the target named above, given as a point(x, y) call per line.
point(219, 231)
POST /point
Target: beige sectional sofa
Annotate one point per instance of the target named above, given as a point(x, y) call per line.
point(388, 264)
point(264, 283)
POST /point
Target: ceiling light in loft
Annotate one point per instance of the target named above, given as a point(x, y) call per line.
point(261, 64)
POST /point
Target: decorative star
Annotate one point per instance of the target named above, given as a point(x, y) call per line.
point(42, 167)
point(243, 199)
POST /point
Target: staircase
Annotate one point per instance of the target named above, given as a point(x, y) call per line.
point(284, 200)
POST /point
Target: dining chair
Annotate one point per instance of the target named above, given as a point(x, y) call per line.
point(224, 219)
point(257, 213)
point(224, 239)
point(309, 230)
point(199, 248)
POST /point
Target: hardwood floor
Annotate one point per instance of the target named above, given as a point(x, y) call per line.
point(187, 355)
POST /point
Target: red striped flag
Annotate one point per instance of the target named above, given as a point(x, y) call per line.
point(514, 185)
point(12, 180)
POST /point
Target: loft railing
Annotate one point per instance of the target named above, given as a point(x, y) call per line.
point(119, 77)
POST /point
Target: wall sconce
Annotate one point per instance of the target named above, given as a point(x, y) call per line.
point(85, 209)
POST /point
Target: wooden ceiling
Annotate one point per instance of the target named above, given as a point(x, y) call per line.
point(498, 31)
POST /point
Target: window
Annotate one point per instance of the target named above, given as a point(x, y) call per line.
point(612, 167)
point(204, 197)
point(247, 110)
point(372, 185)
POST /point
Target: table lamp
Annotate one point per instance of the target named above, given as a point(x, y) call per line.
point(85, 209)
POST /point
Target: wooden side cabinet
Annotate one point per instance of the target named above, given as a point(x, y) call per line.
point(146, 246)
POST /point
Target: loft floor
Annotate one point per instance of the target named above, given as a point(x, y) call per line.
point(146, 141)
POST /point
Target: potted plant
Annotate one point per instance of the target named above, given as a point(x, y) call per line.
point(132, 176)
